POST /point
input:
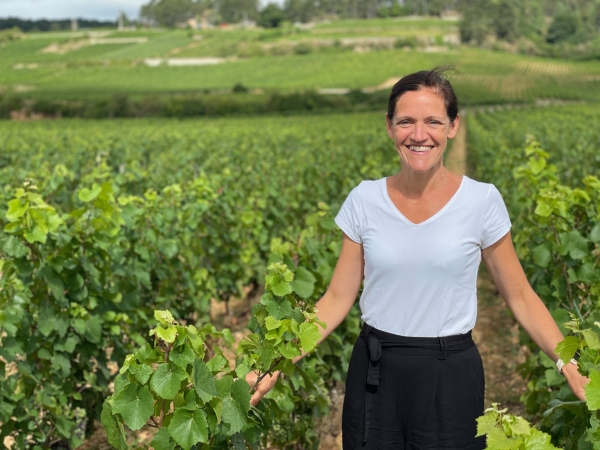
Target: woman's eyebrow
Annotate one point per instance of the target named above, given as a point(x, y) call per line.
point(426, 118)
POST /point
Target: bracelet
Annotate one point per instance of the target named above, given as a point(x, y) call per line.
point(560, 363)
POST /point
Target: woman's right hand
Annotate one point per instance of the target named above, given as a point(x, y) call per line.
point(265, 385)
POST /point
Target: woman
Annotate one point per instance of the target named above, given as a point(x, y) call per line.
point(415, 379)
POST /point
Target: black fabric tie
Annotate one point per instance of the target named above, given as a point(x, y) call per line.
point(374, 351)
point(442, 355)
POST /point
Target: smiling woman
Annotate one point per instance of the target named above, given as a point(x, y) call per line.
point(416, 240)
point(422, 115)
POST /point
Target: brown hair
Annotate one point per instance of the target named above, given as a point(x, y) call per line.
point(432, 79)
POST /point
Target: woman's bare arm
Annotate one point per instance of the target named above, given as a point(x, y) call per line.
point(506, 271)
point(343, 287)
point(333, 307)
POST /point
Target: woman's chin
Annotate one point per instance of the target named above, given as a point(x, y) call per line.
point(420, 166)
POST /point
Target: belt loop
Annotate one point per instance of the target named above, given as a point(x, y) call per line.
point(442, 355)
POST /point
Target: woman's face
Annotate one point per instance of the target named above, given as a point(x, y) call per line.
point(420, 129)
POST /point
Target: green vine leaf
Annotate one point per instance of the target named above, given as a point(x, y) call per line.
point(542, 255)
point(592, 391)
point(182, 356)
point(166, 380)
point(114, 429)
point(204, 381)
point(163, 441)
point(141, 372)
point(485, 424)
point(304, 283)
point(595, 233)
point(538, 441)
point(189, 428)
point(87, 195)
point(147, 355)
point(279, 310)
point(567, 347)
point(591, 339)
point(168, 334)
point(497, 439)
point(135, 404)
point(164, 317)
point(236, 406)
point(309, 335)
point(574, 244)
point(16, 209)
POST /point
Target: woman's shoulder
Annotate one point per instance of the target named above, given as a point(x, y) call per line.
point(366, 187)
point(479, 189)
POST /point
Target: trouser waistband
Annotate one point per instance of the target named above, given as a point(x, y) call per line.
point(378, 341)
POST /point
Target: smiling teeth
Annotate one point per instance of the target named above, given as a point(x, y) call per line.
point(415, 148)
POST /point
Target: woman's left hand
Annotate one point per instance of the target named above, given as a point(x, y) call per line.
point(576, 381)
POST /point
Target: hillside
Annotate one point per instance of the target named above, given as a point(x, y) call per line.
point(363, 54)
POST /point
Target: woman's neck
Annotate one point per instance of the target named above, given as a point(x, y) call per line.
point(414, 185)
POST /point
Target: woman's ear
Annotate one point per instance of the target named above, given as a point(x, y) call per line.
point(389, 126)
point(453, 129)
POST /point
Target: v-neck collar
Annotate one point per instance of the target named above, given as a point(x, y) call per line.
point(387, 197)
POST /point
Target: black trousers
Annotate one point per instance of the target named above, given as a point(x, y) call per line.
point(407, 393)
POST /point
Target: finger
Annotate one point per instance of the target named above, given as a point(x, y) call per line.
point(251, 378)
point(255, 398)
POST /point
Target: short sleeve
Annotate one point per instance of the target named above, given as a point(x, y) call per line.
point(495, 220)
point(348, 218)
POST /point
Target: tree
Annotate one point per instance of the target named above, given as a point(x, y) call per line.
point(271, 16)
point(532, 18)
point(475, 24)
point(169, 13)
point(294, 10)
point(437, 7)
point(563, 26)
point(233, 11)
point(505, 20)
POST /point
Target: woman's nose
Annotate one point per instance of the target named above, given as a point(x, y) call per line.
point(419, 133)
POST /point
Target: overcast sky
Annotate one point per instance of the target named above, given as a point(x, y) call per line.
point(64, 9)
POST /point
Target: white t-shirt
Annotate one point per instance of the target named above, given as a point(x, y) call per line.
point(420, 279)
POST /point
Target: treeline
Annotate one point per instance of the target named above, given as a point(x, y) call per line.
point(172, 12)
point(549, 21)
point(238, 103)
point(52, 25)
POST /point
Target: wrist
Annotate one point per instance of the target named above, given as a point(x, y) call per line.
point(562, 366)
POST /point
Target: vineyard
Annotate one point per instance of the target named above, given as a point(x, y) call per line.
point(120, 235)
point(545, 164)
point(110, 226)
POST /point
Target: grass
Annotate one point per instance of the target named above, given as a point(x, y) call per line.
point(157, 46)
point(399, 27)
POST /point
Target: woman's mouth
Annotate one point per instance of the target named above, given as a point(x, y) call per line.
point(420, 148)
